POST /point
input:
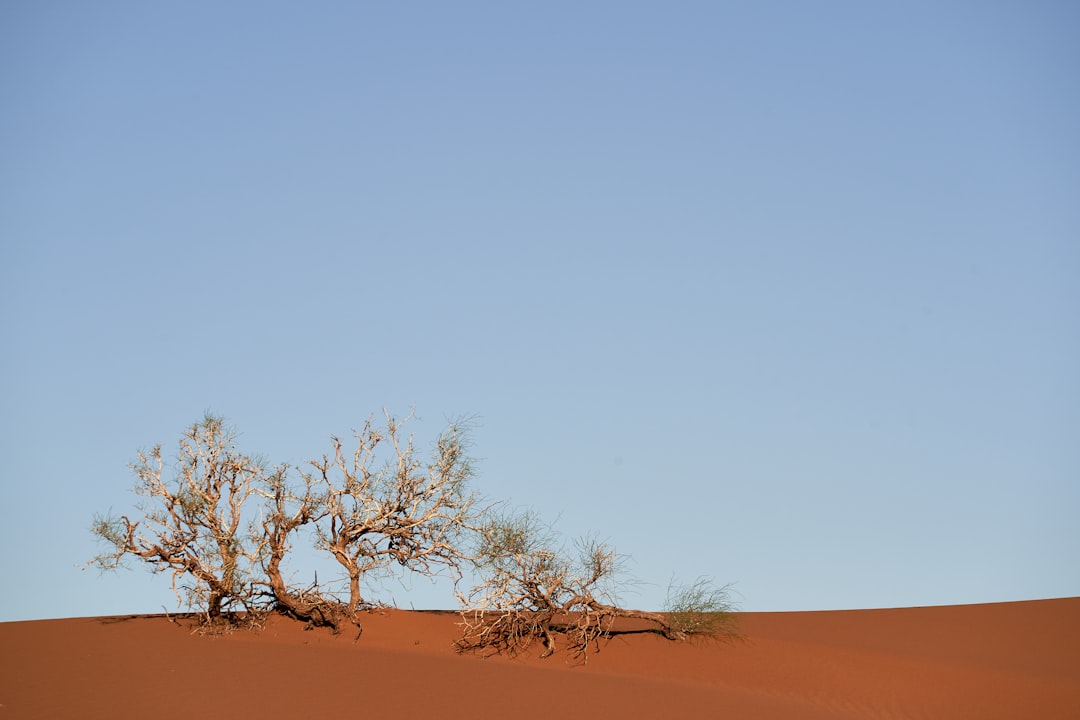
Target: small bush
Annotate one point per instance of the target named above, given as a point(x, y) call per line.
point(701, 608)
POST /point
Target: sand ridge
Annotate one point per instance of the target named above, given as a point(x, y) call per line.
point(1002, 660)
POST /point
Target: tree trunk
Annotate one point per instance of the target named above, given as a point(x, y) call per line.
point(213, 605)
point(316, 612)
point(354, 590)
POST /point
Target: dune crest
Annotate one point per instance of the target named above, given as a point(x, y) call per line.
point(1002, 660)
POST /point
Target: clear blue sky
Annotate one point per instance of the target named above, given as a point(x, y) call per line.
point(782, 293)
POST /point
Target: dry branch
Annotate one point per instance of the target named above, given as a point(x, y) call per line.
point(382, 507)
point(530, 592)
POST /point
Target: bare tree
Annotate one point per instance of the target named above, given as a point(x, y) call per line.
point(375, 508)
point(194, 522)
point(384, 507)
point(286, 510)
point(532, 589)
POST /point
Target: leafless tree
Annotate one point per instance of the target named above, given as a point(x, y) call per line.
point(377, 507)
point(194, 522)
point(532, 589)
point(383, 506)
point(286, 510)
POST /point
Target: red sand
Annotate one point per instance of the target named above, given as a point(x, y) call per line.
point(1007, 660)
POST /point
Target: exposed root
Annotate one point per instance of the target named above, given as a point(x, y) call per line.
point(509, 632)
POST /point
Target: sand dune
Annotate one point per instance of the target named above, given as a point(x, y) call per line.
point(1007, 660)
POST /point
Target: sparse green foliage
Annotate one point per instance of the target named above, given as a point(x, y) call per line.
point(701, 608)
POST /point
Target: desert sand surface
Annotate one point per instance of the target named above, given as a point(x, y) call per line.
point(1006, 660)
